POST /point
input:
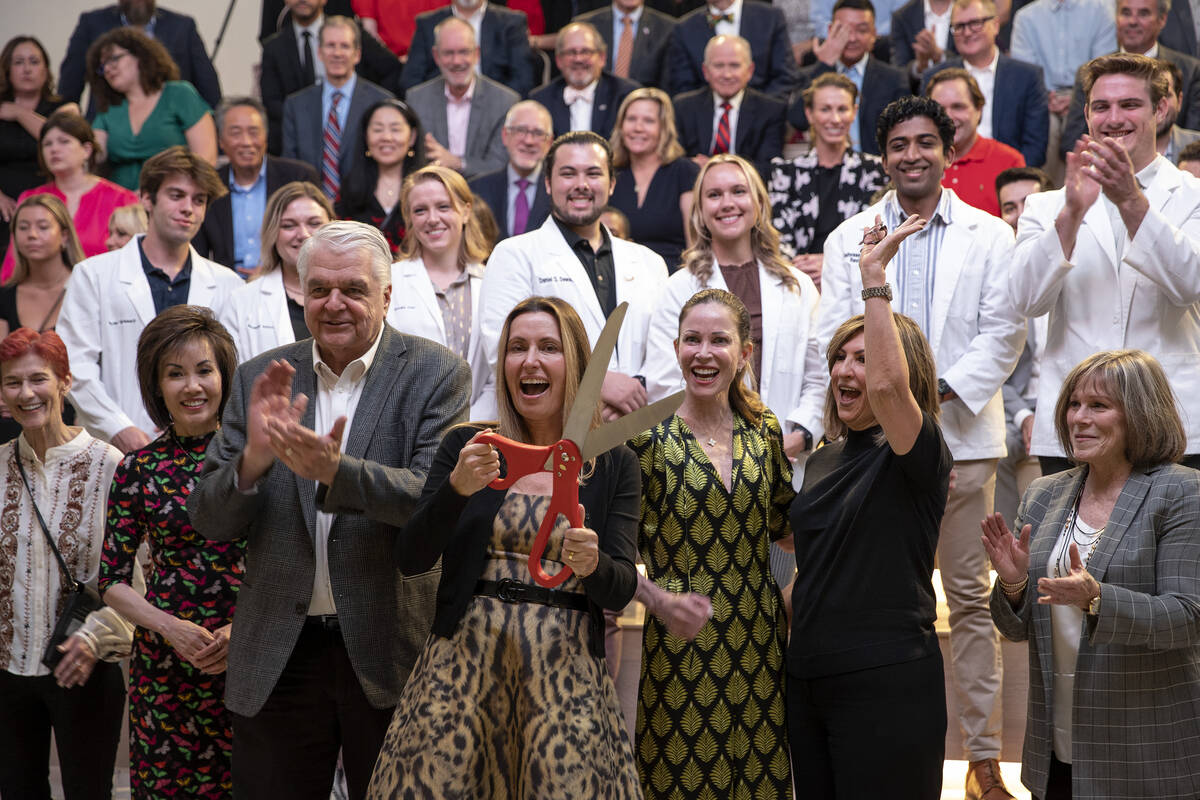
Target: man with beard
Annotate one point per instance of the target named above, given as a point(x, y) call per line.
point(574, 257)
point(1114, 256)
point(1170, 139)
point(951, 278)
point(110, 297)
point(176, 32)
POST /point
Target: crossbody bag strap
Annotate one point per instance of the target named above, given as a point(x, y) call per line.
point(75, 584)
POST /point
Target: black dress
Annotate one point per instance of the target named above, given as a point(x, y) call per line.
point(657, 223)
point(19, 169)
point(390, 224)
point(864, 665)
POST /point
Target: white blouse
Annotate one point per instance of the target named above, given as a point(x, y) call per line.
point(71, 490)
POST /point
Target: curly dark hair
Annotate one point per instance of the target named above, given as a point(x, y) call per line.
point(906, 108)
point(6, 59)
point(155, 65)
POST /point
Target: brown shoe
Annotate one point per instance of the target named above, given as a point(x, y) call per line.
point(984, 781)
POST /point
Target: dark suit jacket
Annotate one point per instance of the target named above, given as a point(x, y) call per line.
point(1189, 109)
point(492, 188)
point(303, 125)
point(415, 389)
point(1020, 116)
point(282, 75)
point(504, 51)
point(650, 40)
point(214, 240)
point(882, 83)
point(1180, 31)
point(760, 126)
point(907, 21)
point(610, 91)
point(176, 32)
point(761, 25)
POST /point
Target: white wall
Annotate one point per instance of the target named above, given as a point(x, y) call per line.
point(52, 22)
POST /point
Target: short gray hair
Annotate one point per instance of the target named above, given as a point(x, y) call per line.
point(1164, 7)
point(344, 236)
point(339, 21)
point(441, 26)
point(740, 41)
point(517, 108)
point(587, 27)
point(229, 103)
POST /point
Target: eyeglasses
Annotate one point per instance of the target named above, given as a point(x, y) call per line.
point(972, 25)
point(524, 132)
point(582, 52)
point(110, 62)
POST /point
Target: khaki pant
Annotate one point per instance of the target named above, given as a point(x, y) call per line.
point(974, 643)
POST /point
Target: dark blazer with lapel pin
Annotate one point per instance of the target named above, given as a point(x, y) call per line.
point(882, 83)
point(1020, 116)
point(214, 240)
point(504, 54)
point(176, 32)
point(1136, 671)
point(907, 21)
point(649, 61)
point(1180, 31)
point(303, 125)
point(610, 91)
point(760, 126)
point(492, 188)
point(762, 25)
point(415, 390)
point(282, 74)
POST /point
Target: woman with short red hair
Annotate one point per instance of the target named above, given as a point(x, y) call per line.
point(54, 480)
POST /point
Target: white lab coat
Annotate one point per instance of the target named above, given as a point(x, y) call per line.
point(414, 309)
point(975, 334)
point(257, 316)
point(541, 263)
point(1150, 301)
point(106, 307)
point(794, 376)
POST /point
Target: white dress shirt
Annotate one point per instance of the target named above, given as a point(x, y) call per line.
point(337, 396)
point(580, 102)
point(939, 23)
point(724, 28)
point(735, 104)
point(986, 78)
point(315, 30)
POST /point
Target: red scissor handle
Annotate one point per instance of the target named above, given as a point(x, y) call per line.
point(564, 465)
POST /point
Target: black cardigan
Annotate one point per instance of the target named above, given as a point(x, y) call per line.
point(445, 524)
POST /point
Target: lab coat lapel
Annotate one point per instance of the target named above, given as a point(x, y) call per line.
point(585, 302)
point(274, 300)
point(772, 313)
point(133, 278)
point(959, 236)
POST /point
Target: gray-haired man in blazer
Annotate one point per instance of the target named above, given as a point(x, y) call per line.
point(321, 456)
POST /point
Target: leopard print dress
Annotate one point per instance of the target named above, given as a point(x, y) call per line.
point(513, 705)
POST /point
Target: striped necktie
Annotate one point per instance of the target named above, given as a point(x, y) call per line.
point(721, 143)
point(331, 147)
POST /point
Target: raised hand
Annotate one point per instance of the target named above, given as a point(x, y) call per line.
point(1080, 186)
point(1077, 589)
point(879, 246)
point(304, 451)
point(1009, 555)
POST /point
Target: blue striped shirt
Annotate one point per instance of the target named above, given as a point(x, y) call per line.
point(915, 264)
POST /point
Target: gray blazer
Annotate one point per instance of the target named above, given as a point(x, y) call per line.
point(1136, 726)
point(415, 389)
point(304, 126)
point(489, 104)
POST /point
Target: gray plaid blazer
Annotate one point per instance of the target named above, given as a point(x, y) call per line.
point(1136, 726)
point(415, 389)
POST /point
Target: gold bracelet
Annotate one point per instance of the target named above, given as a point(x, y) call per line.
point(1012, 588)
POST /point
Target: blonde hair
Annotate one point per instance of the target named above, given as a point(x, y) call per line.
point(764, 239)
point(1138, 386)
point(473, 248)
point(277, 204)
point(131, 218)
point(742, 399)
point(668, 147)
point(71, 252)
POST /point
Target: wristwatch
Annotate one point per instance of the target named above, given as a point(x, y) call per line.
point(808, 439)
point(943, 387)
point(884, 291)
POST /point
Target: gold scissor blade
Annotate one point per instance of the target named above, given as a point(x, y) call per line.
point(579, 421)
point(619, 431)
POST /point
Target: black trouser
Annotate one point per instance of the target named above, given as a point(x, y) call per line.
point(1058, 786)
point(290, 748)
point(1053, 464)
point(877, 732)
point(86, 721)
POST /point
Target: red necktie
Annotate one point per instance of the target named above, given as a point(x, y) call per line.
point(721, 144)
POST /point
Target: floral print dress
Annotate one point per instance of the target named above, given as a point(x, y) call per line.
point(180, 739)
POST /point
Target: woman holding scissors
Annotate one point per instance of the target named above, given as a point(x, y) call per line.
point(511, 697)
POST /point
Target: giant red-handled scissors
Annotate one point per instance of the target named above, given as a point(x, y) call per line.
point(579, 444)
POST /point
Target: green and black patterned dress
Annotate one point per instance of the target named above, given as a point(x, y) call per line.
point(711, 717)
point(180, 735)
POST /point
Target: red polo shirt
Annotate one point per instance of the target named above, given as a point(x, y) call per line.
point(973, 176)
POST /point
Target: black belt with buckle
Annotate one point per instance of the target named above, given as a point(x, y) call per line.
point(326, 622)
point(512, 591)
